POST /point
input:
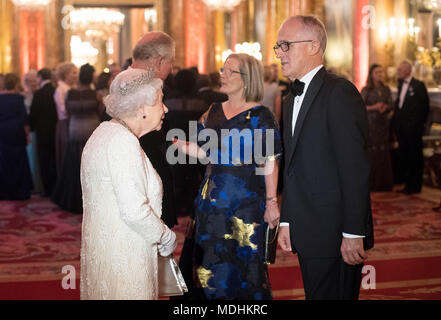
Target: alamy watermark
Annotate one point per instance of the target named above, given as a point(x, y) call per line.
point(230, 152)
point(368, 281)
point(69, 280)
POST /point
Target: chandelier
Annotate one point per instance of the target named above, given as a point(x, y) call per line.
point(96, 20)
point(427, 5)
point(82, 52)
point(223, 5)
point(31, 4)
point(250, 48)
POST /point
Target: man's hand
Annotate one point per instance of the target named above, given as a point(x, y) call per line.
point(352, 251)
point(284, 239)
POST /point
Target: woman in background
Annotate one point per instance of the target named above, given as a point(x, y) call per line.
point(378, 99)
point(67, 77)
point(15, 175)
point(84, 115)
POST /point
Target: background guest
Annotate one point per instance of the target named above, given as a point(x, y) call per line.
point(67, 75)
point(183, 108)
point(283, 85)
point(215, 81)
point(43, 120)
point(2, 82)
point(102, 89)
point(15, 175)
point(83, 109)
point(378, 100)
point(127, 64)
point(207, 93)
point(30, 85)
point(272, 96)
point(411, 111)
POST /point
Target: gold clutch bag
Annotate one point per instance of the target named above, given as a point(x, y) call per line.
point(170, 279)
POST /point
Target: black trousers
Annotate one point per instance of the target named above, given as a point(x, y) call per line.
point(330, 279)
point(412, 160)
point(46, 157)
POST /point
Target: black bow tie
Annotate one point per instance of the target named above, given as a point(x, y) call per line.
point(297, 87)
point(402, 81)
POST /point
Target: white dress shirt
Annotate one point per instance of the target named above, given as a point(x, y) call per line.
point(44, 82)
point(404, 88)
point(298, 100)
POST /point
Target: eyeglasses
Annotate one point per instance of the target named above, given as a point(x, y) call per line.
point(285, 45)
point(230, 72)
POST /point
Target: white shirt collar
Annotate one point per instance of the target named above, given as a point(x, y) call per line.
point(44, 83)
point(307, 78)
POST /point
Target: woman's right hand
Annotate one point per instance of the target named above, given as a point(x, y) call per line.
point(168, 243)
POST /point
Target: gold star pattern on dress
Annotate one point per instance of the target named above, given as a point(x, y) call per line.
point(242, 233)
point(204, 276)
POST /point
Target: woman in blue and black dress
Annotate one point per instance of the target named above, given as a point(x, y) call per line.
point(238, 195)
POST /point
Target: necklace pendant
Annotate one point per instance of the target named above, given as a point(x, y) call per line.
point(248, 117)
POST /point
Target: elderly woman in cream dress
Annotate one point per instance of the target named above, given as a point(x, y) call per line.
point(122, 230)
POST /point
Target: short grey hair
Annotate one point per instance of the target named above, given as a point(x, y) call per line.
point(314, 25)
point(130, 90)
point(160, 45)
point(408, 63)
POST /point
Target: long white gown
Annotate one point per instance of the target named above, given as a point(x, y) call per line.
point(122, 197)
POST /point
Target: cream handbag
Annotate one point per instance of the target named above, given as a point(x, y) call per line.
point(170, 279)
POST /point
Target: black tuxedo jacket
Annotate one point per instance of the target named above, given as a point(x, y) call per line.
point(411, 117)
point(326, 174)
point(43, 115)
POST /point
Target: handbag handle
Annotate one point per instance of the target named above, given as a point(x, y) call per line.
point(275, 233)
point(178, 277)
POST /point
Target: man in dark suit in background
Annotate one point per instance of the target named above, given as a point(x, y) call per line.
point(156, 51)
point(43, 118)
point(411, 111)
point(326, 209)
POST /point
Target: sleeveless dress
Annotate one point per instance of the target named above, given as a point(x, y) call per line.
point(82, 109)
point(230, 207)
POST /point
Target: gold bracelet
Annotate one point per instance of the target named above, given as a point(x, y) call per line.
point(272, 199)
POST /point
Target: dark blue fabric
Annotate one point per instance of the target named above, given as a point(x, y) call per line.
point(232, 199)
point(15, 175)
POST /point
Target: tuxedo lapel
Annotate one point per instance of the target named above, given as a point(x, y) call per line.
point(287, 123)
point(410, 89)
point(310, 95)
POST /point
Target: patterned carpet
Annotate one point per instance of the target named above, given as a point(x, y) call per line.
point(37, 240)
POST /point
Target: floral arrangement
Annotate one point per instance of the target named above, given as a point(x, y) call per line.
point(430, 58)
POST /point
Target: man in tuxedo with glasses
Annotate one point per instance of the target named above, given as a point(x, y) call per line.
point(326, 215)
